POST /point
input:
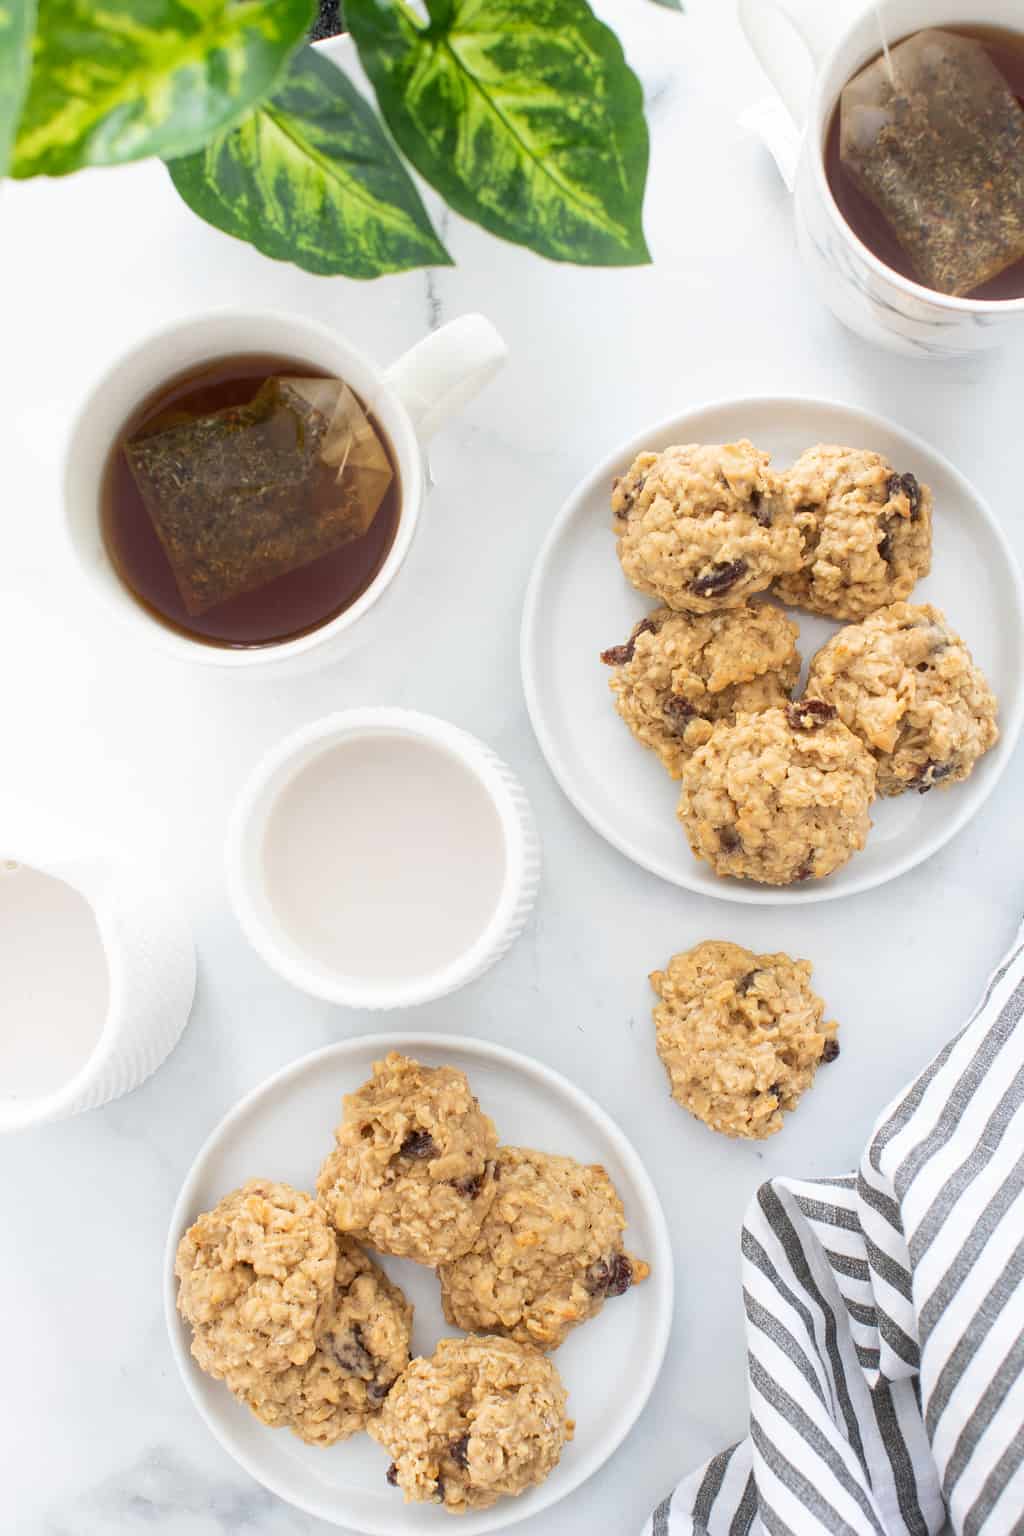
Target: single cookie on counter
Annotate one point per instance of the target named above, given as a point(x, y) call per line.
point(905, 683)
point(482, 1418)
point(680, 673)
point(704, 527)
point(778, 797)
point(255, 1277)
point(412, 1173)
point(548, 1255)
point(867, 532)
point(362, 1350)
point(741, 1035)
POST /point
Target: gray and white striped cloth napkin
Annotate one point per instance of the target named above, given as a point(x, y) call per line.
point(885, 1320)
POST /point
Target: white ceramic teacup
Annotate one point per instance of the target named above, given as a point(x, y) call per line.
point(381, 858)
point(97, 972)
point(410, 399)
point(841, 36)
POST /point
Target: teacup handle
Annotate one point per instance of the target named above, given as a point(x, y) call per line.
point(817, 24)
point(443, 372)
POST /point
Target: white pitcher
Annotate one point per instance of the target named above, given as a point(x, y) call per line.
point(840, 37)
point(97, 972)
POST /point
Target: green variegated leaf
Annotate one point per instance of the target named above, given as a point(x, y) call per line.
point(116, 80)
point(670, 5)
point(16, 21)
point(522, 113)
point(311, 177)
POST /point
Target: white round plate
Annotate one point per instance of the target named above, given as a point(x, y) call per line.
point(283, 1130)
point(578, 603)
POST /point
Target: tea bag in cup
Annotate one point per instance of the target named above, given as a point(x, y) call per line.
point(934, 136)
point(243, 495)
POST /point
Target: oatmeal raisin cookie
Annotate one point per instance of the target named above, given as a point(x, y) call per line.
point(413, 1170)
point(548, 1255)
point(704, 527)
point(778, 797)
point(866, 529)
point(362, 1350)
point(256, 1275)
point(480, 1419)
point(741, 1035)
point(680, 673)
point(905, 683)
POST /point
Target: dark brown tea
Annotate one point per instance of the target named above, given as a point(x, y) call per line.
point(283, 608)
point(1006, 50)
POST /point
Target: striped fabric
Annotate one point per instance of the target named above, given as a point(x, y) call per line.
point(885, 1320)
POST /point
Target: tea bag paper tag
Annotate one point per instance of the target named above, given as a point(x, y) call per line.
point(350, 446)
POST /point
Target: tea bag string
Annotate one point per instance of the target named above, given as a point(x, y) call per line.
point(886, 52)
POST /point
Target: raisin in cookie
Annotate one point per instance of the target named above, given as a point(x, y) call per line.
point(413, 1170)
point(905, 683)
point(780, 796)
point(548, 1255)
point(480, 1419)
point(740, 1035)
point(361, 1352)
point(256, 1275)
point(679, 673)
point(867, 532)
point(702, 527)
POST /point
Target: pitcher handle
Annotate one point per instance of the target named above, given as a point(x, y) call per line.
point(769, 27)
point(444, 371)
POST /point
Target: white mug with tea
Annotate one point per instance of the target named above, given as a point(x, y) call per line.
point(213, 502)
point(864, 280)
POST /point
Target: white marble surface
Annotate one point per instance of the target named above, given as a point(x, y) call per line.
point(97, 1432)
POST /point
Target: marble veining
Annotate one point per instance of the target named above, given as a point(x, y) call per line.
point(435, 312)
point(161, 1492)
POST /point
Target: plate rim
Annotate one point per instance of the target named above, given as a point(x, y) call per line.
point(505, 1512)
point(1011, 716)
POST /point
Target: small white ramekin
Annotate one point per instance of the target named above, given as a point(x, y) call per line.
point(151, 968)
point(245, 849)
